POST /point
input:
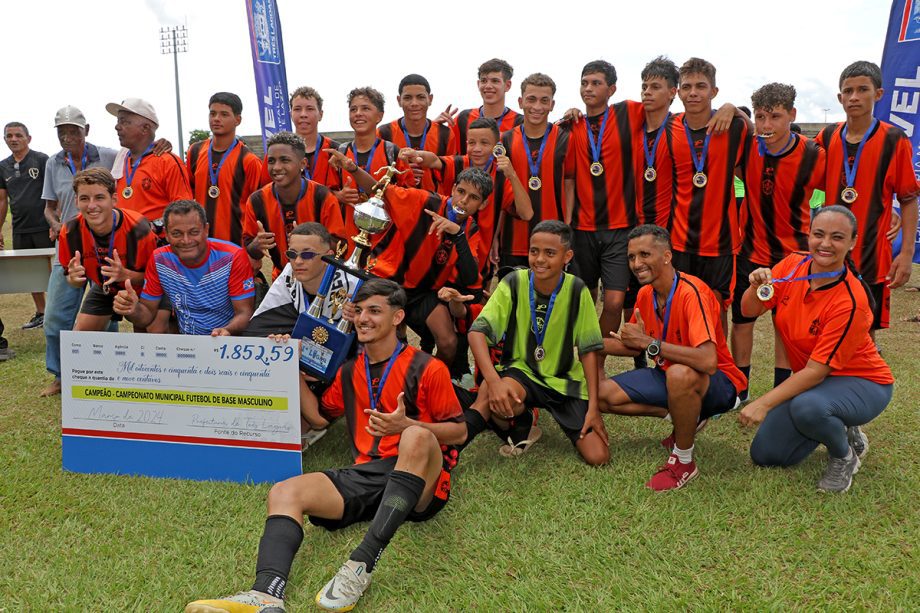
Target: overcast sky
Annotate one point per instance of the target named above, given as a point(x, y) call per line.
point(89, 53)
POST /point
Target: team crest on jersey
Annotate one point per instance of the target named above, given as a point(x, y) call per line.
point(813, 328)
point(766, 186)
point(33, 172)
point(146, 183)
point(442, 254)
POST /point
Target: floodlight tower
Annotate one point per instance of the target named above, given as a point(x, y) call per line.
point(174, 40)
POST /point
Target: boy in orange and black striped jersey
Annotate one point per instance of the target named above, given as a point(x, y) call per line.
point(536, 151)
point(494, 82)
point(306, 113)
point(367, 150)
point(402, 415)
point(603, 211)
point(415, 130)
point(104, 246)
point(222, 171)
point(273, 211)
point(704, 214)
point(781, 170)
point(879, 157)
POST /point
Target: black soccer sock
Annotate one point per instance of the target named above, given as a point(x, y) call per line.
point(280, 542)
point(747, 375)
point(780, 375)
point(639, 361)
point(399, 498)
point(475, 423)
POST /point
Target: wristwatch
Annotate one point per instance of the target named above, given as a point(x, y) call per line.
point(653, 349)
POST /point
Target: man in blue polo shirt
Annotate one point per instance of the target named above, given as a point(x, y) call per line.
point(208, 282)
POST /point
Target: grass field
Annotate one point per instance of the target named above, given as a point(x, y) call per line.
point(541, 532)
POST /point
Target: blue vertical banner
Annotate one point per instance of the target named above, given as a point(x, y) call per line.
point(268, 66)
point(900, 105)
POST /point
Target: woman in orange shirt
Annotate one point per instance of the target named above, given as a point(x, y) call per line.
point(822, 313)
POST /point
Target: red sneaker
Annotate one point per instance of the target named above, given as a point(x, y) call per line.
point(668, 441)
point(673, 475)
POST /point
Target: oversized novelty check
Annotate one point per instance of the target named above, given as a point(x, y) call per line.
point(189, 407)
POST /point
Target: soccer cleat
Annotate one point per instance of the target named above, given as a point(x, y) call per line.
point(858, 441)
point(838, 476)
point(743, 398)
point(6, 353)
point(37, 321)
point(673, 475)
point(668, 441)
point(244, 602)
point(345, 588)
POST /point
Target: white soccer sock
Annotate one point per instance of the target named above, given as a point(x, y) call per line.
point(685, 456)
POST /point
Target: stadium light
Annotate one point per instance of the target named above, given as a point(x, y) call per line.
point(174, 40)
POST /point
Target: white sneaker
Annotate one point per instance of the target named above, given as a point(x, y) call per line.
point(345, 589)
point(310, 437)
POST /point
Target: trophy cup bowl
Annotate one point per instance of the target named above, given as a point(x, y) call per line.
point(371, 218)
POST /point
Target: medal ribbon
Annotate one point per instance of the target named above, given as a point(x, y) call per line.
point(817, 275)
point(303, 189)
point(375, 397)
point(311, 171)
point(421, 143)
point(850, 172)
point(130, 176)
point(763, 151)
point(650, 152)
point(596, 145)
point(370, 158)
point(534, 167)
point(212, 172)
point(84, 161)
point(498, 119)
point(541, 334)
point(698, 162)
point(111, 245)
point(667, 308)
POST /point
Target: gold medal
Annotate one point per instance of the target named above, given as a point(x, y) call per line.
point(765, 292)
point(213, 191)
point(539, 353)
point(650, 174)
point(127, 192)
point(597, 169)
point(534, 183)
point(700, 179)
point(849, 195)
point(499, 150)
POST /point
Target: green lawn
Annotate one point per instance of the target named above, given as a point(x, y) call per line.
point(540, 532)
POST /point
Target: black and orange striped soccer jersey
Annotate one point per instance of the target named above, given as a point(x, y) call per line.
point(133, 240)
point(487, 215)
point(238, 171)
point(775, 215)
point(885, 169)
point(406, 253)
point(704, 220)
point(548, 200)
point(436, 138)
point(653, 190)
point(506, 121)
point(425, 381)
point(315, 204)
point(600, 158)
